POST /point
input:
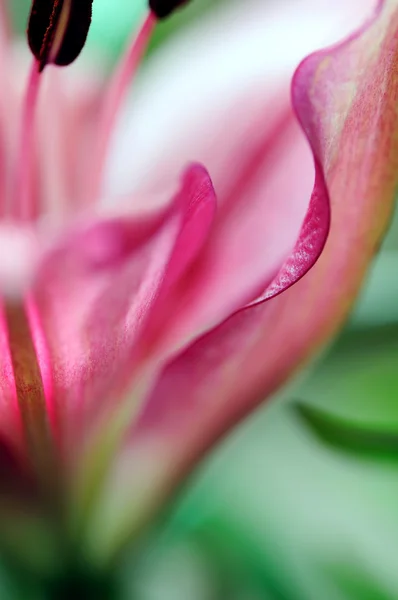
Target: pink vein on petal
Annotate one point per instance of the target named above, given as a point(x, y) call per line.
point(11, 427)
point(44, 360)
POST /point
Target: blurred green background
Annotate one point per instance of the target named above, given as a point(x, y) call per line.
point(301, 501)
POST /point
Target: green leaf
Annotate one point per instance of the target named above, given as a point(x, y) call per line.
point(349, 434)
point(355, 388)
point(357, 583)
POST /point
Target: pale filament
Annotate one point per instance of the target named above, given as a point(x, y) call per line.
point(22, 199)
point(114, 98)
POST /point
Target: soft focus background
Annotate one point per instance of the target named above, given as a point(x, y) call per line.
point(301, 501)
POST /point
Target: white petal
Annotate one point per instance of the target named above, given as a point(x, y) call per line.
point(241, 49)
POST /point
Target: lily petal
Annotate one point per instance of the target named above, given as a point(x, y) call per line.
point(345, 98)
point(95, 293)
point(206, 86)
point(234, 66)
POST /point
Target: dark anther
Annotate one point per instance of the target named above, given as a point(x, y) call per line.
point(164, 8)
point(58, 29)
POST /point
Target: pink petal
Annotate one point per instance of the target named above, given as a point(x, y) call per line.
point(245, 82)
point(233, 66)
point(346, 100)
point(254, 232)
point(95, 294)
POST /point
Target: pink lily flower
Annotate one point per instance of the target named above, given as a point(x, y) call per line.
point(143, 318)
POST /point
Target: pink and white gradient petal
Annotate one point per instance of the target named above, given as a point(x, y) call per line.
point(353, 132)
point(97, 291)
point(205, 86)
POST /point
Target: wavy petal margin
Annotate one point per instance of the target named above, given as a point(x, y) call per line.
point(346, 99)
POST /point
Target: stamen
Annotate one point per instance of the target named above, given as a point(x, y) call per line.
point(164, 8)
point(58, 36)
point(58, 29)
point(118, 88)
point(22, 205)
